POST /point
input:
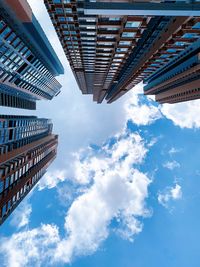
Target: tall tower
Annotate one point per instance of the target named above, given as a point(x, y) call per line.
point(113, 45)
point(27, 147)
point(28, 63)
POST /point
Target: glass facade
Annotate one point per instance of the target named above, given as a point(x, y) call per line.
point(16, 131)
point(27, 148)
point(110, 54)
point(97, 47)
point(23, 72)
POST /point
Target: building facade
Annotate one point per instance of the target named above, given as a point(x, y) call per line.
point(114, 45)
point(27, 147)
point(28, 63)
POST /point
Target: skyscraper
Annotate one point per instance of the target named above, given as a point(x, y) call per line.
point(27, 147)
point(113, 45)
point(28, 63)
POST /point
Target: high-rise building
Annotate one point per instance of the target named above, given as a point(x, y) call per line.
point(113, 45)
point(28, 63)
point(27, 147)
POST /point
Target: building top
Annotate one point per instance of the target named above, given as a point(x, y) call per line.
point(20, 15)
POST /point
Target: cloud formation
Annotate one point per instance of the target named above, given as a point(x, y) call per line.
point(117, 190)
point(184, 114)
point(114, 189)
point(171, 165)
point(51, 179)
point(110, 188)
point(29, 247)
point(170, 194)
point(21, 216)
point(140, 113)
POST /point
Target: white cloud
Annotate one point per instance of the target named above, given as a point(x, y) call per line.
point(116, 190)
point(51, 179)
point(21, 215)
point(184, 115)
point(141, 114)
point(170, 194)
point(110, 188)
point(30, 247)
point(176, 192)
point(174, 150)
point(66, 193)
point(171, 165)
point(129, 226)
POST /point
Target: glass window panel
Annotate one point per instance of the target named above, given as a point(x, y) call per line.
point(128, 34)
point(132, 24)
point(190, 35)
point(125, 43)
point(5, 32)
point(4, 210)
point(7, 182)
point(1, 186)
point(59, 10)
point(196, 26)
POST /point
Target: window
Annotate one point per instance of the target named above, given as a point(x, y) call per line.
point(16, 42)
point(171, 50)
point(181, 43)
point(111, 28)
point(126, 43)
point(61, 19)
point(114, 19)
point(68, 10)
point(1, 173)
point(11, 178)
point(122, 49)
point(128, 34)
point(69, 19)
point(59, 10)
point(14, 199)
point(1, 186)
point(4, 210)
point(7, 182)
point(9, 204)
point(2, 24)
point(190, 35)
point(5, 32)
point(132, 24)
point(16, 175)
point(196, 26)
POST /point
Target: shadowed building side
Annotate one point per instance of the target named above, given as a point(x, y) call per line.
point(178, 81)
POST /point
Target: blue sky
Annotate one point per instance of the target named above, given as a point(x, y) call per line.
point(124, 190)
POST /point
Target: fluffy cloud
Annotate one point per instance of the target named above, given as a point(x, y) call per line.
point(170, 194)
point(29, 248)
point(171, 165)
point(140, 113)
point(51, 179)
point(116, 190)
point(174, 150)
point(111, 188)
point(21, 215)
point(184, 115)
